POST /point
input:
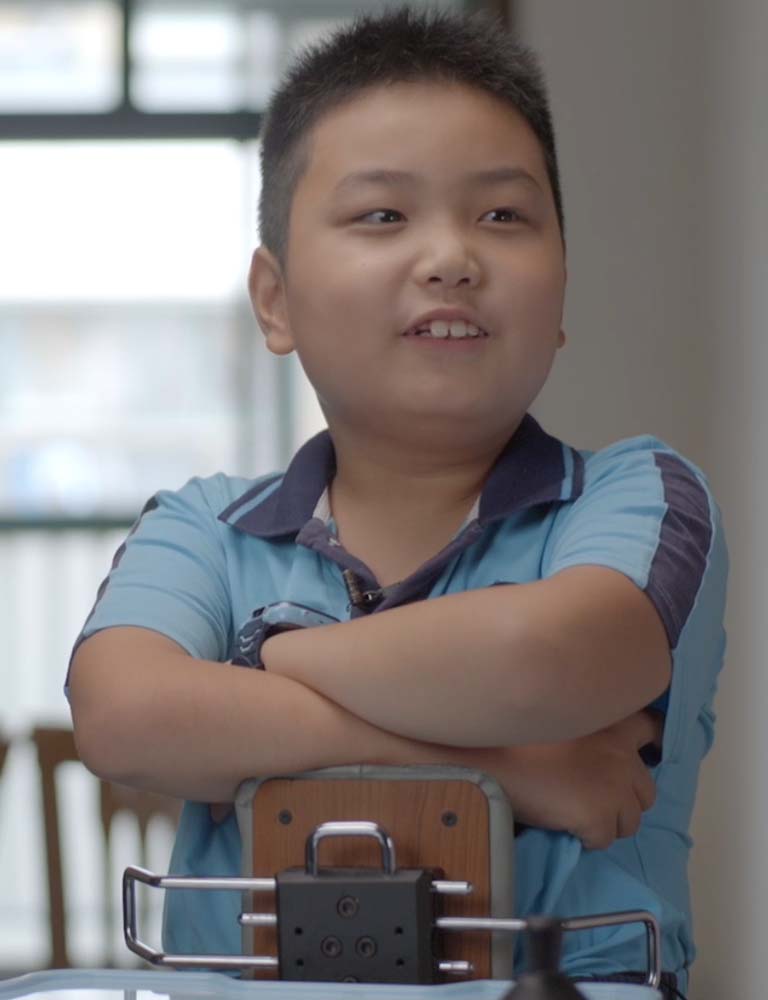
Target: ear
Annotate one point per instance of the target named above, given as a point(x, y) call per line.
point(266, 286)
point(561, 335)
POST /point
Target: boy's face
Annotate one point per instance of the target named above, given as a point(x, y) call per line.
point(456, 215)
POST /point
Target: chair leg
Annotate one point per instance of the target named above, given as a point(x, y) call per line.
point(109, 917)
point(59, 958)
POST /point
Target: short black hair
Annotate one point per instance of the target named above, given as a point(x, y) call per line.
point(397, 46)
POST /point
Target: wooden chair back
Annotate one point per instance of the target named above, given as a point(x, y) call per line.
point(56, 746)
point(435, 824)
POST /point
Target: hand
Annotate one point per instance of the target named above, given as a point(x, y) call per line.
point(220, 811)
point(596, 787)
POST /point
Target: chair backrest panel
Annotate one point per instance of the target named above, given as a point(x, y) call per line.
point(435, 824)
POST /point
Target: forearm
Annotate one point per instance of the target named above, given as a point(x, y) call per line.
point(434, 670)
point(490, 667)
point(149, 715)
point(196, 729)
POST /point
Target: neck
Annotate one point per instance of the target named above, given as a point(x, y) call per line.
point(427, 479)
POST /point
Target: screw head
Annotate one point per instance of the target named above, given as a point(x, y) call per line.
point(331, 947)
point(285, 816)
point(450, 818)
point(347, 906)
point(365, 947)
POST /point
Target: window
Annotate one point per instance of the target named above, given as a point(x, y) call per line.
point(130, 355)
point(60, 56)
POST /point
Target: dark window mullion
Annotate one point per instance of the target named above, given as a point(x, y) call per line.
point(129, 123)
point(126, 68)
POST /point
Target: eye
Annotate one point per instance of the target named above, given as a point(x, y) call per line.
point(505, 215)
point(379, 215)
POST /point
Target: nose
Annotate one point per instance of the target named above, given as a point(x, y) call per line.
point(448, 260)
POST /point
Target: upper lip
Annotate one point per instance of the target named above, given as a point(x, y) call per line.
point(447, 315)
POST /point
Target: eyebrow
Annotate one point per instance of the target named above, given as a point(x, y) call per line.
point(401, 178)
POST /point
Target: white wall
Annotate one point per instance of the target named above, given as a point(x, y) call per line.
point(731, 867)
point(662, 117)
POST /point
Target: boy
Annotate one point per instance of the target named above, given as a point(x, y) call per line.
point(505, 602)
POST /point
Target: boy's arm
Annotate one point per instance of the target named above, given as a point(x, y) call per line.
point(624, 569)
point(551, 660)
point(149, 715)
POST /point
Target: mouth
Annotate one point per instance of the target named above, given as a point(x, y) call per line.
point(447, 330)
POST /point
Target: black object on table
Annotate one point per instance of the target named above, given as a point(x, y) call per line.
point(543, 979)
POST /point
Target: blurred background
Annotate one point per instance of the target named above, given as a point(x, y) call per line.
point(129, 361)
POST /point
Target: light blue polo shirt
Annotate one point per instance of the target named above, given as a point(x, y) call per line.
point(201, 559)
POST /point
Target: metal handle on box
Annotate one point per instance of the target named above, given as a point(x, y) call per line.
point(358, 828)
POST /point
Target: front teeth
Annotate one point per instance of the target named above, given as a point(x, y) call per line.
point(440, 329)
point(456, 329)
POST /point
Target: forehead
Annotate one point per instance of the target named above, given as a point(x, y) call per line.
point(424, 127)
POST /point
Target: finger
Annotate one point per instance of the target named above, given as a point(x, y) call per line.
point(600, 833)
point(646, 727)
point(645, 789)
point(629, 820)
point(220, 811)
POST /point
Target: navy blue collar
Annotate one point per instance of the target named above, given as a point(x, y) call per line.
point(533, 468)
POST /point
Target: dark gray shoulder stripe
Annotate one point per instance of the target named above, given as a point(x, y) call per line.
point(530, 470)
point(577, 487)
point(149, 506)
point(684, 542)
point(252, 493)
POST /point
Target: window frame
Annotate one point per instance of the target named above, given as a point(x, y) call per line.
point(126, 121)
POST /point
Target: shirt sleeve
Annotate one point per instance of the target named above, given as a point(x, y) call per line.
point(170, 575)
point(648, 513)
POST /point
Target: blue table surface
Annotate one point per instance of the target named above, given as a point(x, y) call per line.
point(112, 984)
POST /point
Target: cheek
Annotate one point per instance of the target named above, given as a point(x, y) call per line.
point(340, 300)
point(327, 330)
point(537, 295)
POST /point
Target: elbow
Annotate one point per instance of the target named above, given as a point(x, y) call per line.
point(102, 730)
point(97, 748)
point(100, 748)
